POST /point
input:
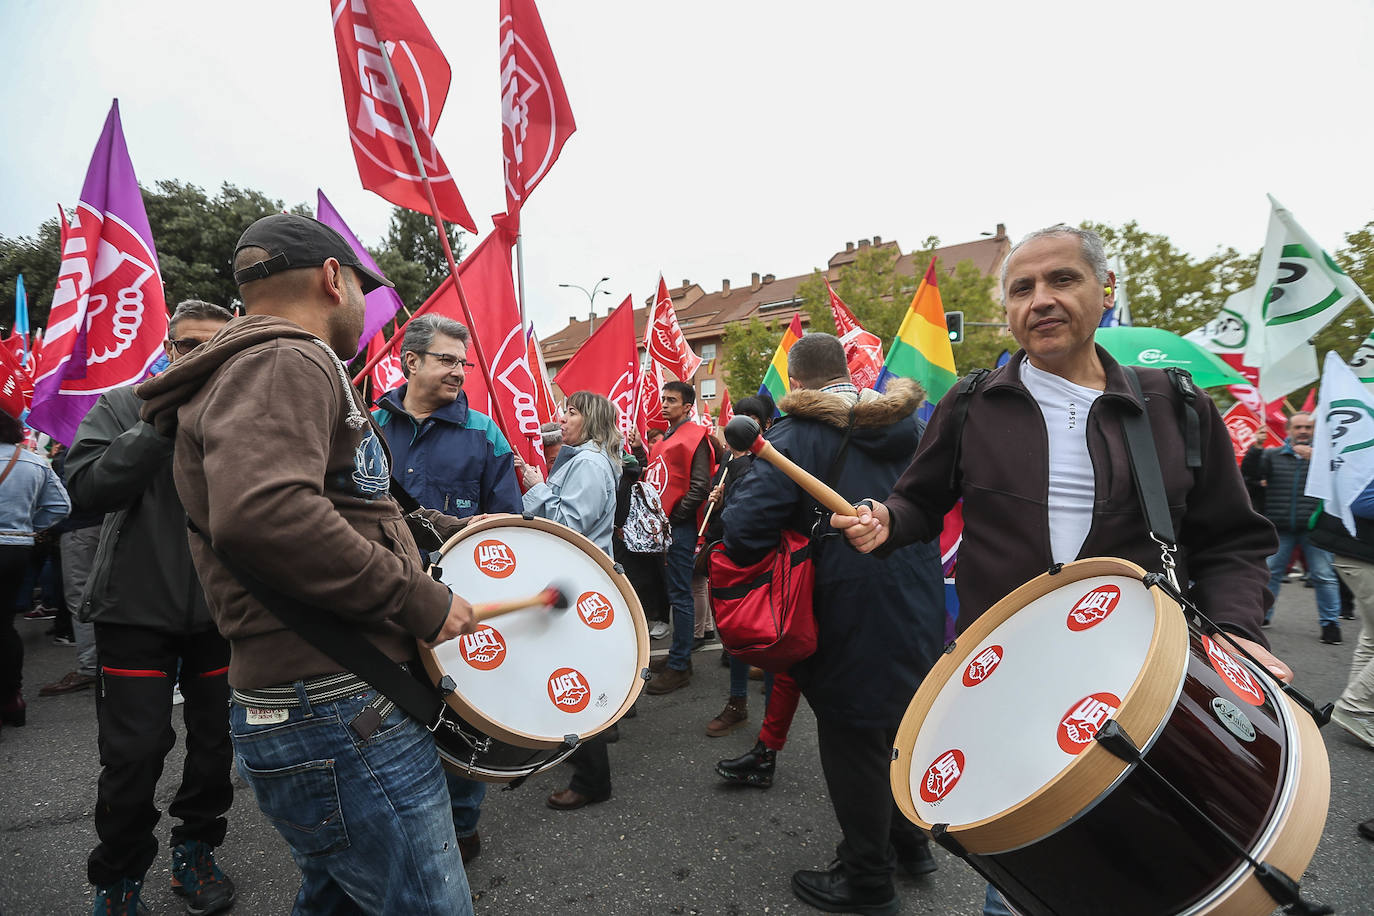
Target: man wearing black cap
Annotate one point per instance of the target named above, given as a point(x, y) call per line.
point(280, 468)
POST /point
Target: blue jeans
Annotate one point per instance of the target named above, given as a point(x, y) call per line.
point(994, 905)
point(466, 796)
point(681, 553)
point(1319, 570)
point(367, 821)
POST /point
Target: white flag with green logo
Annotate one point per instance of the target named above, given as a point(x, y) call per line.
point(1343, 443)
point(1363, 362)
point(1228, 335)
point(1305, 291)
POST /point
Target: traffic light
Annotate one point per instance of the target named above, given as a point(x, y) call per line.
point(954, 321)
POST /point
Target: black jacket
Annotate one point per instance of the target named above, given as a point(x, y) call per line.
point(880, 621)
point(142, 574)
point(1285, 476)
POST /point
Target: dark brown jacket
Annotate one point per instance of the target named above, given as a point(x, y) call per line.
point(278, 462)
point(1003, 477)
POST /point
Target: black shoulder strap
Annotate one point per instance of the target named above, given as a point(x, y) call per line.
point(1192, 435)
point(963, 393)
point(1149, 481)
point(402, 496)
point(344, 644)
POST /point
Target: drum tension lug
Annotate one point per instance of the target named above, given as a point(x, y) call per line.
point(447, 685)
point(645, 674)
point(1056, 568)
point(940, 833)
point(1114, 738)
point(571, 741)
point(1288, 892)
point(618, 568)
point(949, 646)
point(527, 516)
point(437, 572)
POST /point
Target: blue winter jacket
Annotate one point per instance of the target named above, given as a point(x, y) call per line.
point(455, 460)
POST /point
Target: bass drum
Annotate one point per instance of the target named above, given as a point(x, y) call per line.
point(998, 755)
point(532, 684)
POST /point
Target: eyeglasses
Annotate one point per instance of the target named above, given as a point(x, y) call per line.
point(185, 345)
point(448, 360)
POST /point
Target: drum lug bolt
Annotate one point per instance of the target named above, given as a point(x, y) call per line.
point(447, 685)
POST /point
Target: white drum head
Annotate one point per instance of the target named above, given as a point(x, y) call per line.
point(532, 677)
point(1029, 698)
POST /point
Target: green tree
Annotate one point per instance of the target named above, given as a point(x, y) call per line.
point(411, 256)
point(1348, 331)
point(37, 257)
point(749, 347)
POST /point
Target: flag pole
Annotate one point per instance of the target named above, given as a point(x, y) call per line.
point(520, 273)
point(448, 252)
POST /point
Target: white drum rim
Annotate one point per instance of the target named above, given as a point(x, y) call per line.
point(1088, 776)
point(501, 731)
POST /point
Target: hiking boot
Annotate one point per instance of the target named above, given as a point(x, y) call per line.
point(71, 682)
point(198, 880)
point(668, 680)
point(120, 899)
point(754, 768)
point(735, 714)
point(1331, 634)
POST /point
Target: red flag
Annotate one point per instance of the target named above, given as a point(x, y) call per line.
point(544, 403)
point(16, 385)
point(727, 411)
point(703, 416)
point(381, 144)
point(386, 373)
point(609, 362)
point(649, 400)
point(1245, 429)
point(862, 350)
point(664, 339)
point(1309, 403)
point(536, 118)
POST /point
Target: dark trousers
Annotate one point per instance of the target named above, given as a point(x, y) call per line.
point(591, 766)
point(855, 762)
point(645, 572)
point(14, 559)
point(138, 667)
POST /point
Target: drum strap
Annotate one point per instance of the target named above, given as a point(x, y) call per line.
point(1149, 481)
point(345, 645)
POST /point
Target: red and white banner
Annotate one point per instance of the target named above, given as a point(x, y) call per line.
point(609, 362)
point(536, 118)
point(16, 385)
point(544, 402)
point(649, 400)
point(1246, 429)
point(703, 416)
point(727, 410)
point(664, 340)
point(862, 350)
point(376, 127)
point(386, 373)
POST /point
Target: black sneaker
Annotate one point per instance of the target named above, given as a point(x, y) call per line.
point(119, 899)
point(198, 880)
point(1331, 634)
point(753, 768)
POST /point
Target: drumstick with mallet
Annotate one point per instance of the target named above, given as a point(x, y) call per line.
point(743, 434)
point(706, 518)
point(552, 597)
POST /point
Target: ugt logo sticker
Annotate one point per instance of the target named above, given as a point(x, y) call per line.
point(941, 776)
point(982, 666)
point(494, 558)
point(568, 690)
point(1093, 608)
point(1083, 720)
point(595, 611)
point(483, 649)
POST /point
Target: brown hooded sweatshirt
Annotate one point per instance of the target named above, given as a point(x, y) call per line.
point(279, 464)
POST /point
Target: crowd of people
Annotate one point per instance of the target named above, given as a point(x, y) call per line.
point(354, 784)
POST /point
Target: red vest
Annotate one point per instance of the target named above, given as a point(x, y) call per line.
point(670, 464)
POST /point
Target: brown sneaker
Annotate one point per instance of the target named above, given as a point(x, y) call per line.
point(71, 682)
point(660, 664)
point(668, 680)
point(735, 714)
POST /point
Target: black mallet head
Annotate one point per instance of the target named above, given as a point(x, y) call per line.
point(743, 434)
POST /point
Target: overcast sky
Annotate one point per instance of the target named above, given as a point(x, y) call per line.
point(719, 138)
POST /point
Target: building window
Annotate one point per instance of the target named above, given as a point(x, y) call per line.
point(708, 389)
point(708, 351)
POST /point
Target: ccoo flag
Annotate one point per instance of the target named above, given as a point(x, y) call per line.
point(921, 349)
point(1343, 443)
point(1362, 362)
point(776, 381)
point(108, 317)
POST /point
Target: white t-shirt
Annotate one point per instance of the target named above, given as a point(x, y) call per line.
point(1065, 406)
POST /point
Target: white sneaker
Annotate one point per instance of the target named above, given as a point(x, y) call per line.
point(659, 629)
point(1360, 726)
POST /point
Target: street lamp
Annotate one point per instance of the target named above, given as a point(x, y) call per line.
point(591, 301)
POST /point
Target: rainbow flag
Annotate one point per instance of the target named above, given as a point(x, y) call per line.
point(921, 349)
point(775, 380)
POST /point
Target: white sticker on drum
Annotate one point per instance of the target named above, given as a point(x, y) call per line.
point(1058, 667)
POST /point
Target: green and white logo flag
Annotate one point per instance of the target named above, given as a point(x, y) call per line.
point(1228, 335)
point(1343, 443)
point(1305, 291)
point(1363, 362)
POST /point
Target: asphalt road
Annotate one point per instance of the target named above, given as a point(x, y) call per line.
point(673, 839)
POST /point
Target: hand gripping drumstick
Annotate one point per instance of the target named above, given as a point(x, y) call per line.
point(551, 597)
point(743, 433)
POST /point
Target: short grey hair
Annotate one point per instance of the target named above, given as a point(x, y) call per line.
point(1090, 245)
point(817, 357)
point(197, 309)
point(420, 335)
point(551, 433)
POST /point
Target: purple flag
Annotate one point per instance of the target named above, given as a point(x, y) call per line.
point(108, 318)
point(382, 302)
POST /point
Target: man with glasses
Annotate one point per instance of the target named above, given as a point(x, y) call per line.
point(152, 627)
point(451, 458)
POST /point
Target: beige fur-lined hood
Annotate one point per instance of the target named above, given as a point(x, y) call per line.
point(874, 410)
